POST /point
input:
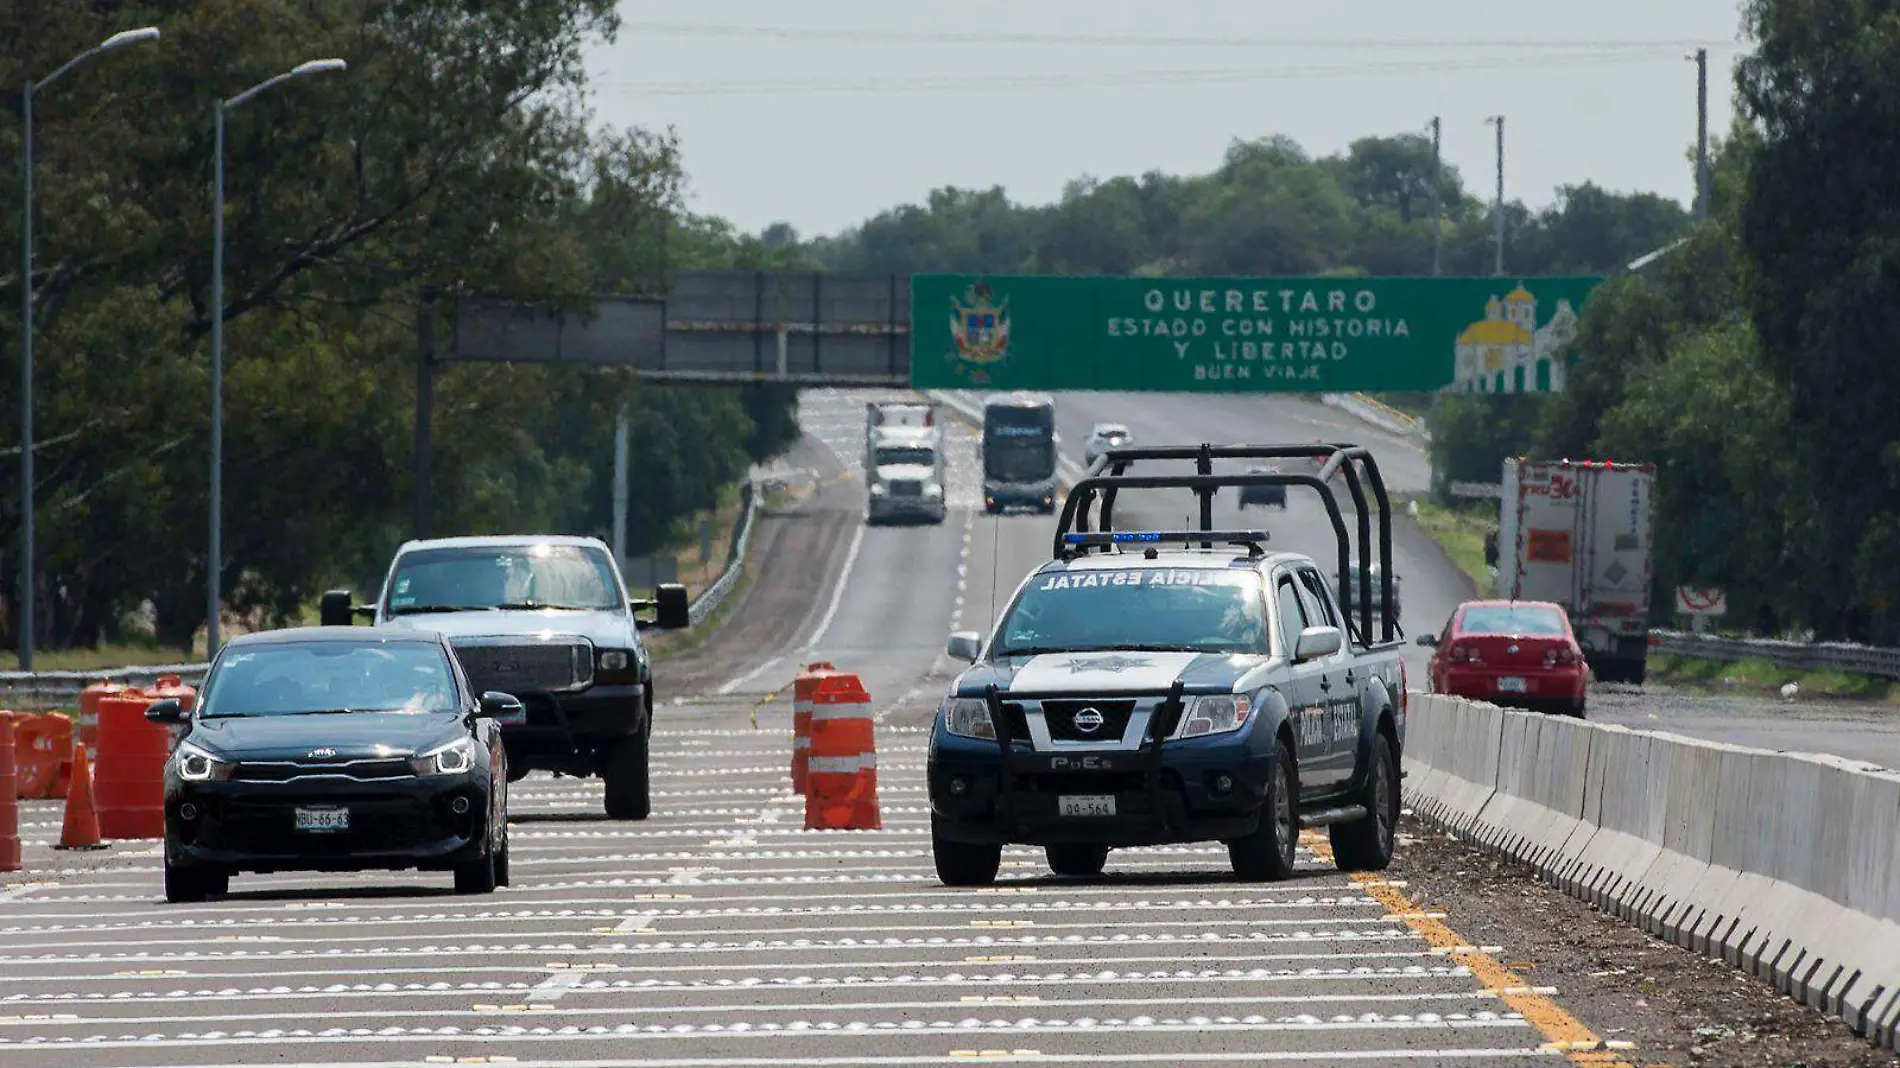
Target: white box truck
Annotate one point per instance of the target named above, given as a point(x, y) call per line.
point(1581, 534)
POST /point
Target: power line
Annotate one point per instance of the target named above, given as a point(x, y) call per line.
point(1116, 79)
point(800, 33)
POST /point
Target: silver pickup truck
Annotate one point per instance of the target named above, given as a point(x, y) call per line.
point(1150, 687)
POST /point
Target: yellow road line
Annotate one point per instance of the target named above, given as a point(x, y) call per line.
point(1563, 1033)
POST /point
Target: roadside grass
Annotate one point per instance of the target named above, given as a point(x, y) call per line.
point(695, 576)
point(1416, 405)
point(1765, 678)
point(1460, 532)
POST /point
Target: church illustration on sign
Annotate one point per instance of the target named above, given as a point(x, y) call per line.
point(1507, 352)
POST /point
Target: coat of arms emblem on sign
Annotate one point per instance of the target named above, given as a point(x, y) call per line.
point(980, 328)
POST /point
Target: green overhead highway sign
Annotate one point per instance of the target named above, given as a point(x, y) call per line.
point(1479, 335)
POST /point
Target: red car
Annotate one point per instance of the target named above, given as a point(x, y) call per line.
point(1519, 653)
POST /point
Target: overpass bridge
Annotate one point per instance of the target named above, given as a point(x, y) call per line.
point(806, 328)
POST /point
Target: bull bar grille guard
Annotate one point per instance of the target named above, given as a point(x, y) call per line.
point(1160, 725)
point(1109, 476)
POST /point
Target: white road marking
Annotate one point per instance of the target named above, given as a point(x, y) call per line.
point(964, 1057)
point(750, 675)
point(838, 591)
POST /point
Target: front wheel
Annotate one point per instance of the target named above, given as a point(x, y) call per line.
point(190, 884)
point(1267, 854)
point(964, 863)
point(1077, 860)
point(1368, 844)
point(626, 779)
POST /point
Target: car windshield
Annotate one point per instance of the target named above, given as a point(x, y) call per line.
point(1515, 619)
point(329, 676)
point(1197, 610)
point(898, 454)
point(515, 576)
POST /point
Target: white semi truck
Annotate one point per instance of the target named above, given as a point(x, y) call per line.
point(903, 462)
point(1581, 534)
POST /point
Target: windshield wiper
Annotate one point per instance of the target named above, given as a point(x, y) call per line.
point(422, 609)
point(539, 606)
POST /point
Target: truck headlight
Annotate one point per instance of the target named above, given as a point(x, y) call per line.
point(969, 717)
point(452, 759)
point(198, 765)
point(878, 489)
point(1214, 714)
point(613, 660)
point(933, 490)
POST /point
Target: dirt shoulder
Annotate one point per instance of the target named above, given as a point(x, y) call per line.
point(1678, 1008)
point(792, 560)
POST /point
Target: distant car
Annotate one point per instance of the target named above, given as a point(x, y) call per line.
point(1348, 586)
point(336, 749)
point(1520, 653)
point(1105, 436)
point(1264, 496)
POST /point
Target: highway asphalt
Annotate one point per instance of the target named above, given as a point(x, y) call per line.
point(720, 933)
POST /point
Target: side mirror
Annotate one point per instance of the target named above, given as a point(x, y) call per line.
point(1316, 642)
point(1428, 640)
point(336, 609)
point(965, 645)
point(169, 711)
point(673, 609)
point(504, 708)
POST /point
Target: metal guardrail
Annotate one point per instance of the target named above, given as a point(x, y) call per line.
point(712, 596)
point(39, 691)
point(1805, 656)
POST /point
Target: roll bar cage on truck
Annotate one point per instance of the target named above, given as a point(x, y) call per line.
point(1243, 741)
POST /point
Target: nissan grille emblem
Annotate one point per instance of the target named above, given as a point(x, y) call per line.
point(1088, 721)
point(319, 754)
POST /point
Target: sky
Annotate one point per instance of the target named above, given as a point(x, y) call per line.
point(822, 113)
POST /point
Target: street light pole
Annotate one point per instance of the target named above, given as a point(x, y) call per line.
point(27, 586)
point(214, 561)
point(1438, 205)
point(1498, 211)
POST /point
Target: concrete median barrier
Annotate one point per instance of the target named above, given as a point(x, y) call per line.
point(1785, 865)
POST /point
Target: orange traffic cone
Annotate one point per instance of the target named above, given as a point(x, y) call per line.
point(841, 792)
point(81, 830)
point(803, 686)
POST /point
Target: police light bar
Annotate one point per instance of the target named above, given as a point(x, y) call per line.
point(1149, 537)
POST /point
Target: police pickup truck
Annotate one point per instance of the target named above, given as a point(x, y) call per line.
point(1150, 687)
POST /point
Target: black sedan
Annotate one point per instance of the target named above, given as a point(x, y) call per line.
point(336, 749)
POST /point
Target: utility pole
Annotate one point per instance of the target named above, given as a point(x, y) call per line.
point(623, 427)
point(1438, 206)
point(421, 518)
point(1498, 209)
point(1701, 58)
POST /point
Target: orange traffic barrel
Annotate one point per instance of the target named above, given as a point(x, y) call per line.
point(42, 755)
point(9, 799)
point(89, 699)
point(841, 787)
point(128, 778)
point(803, 686)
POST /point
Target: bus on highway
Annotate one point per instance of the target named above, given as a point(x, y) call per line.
point(1019, 452)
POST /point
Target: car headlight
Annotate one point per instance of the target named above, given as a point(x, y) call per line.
point(198, 765)
point(1214, 714)
point(613, 660)
point(933, 490)
point(878, 489)
point(969, 717)
point(452, 759)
